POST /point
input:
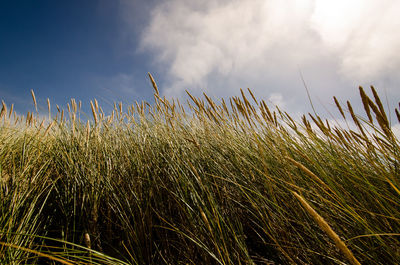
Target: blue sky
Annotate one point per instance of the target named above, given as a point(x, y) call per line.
point(104, 48)
point(65, 49)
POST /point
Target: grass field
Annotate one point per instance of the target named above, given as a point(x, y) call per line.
point(233, 182)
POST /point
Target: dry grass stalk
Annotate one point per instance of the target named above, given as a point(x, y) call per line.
point(355, 119)
point(243, 110)
point(340, 138)
point(102, 115)
point(40, 127)
point(232, 106)
point(87, 240)
point(293, 123)
point(29, 118)
point(212, 116)
point(44, 255)
point(306, 124)
point(11, 111)
point(49, 108)
point(328, 230)
point(328, 125)
point(379, 103)
point(252, 95)
point(48, 128)
point(209, 100)
point(225, 108)
point(34, 99)
point(339, 107)
point(347, 135)
point(5, 177)
point(120, 109)
point(73, 105)
point(246, 102)
point(270, 118)
point(154, 84)
point(94, 113)
point(357, 137)
point(3, 109)
point(319, 124)
point(365, 100)
point(96, 104)
point(393, 186)
point(309, 173)
point(87, 132)
point(73, 124)
point(381, 118)
point(204, 217)
point(199, 105)
point(397, 114)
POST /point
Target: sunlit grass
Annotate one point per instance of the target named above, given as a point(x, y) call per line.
point(231, 182)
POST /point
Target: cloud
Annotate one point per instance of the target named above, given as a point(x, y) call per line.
point(277, 100)
point(12, 98)
point(120, 87)
point(122, 84)
point(218, 46)
point(365, 33)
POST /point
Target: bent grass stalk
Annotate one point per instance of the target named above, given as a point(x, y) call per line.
point(38, 253)
point(328, 230)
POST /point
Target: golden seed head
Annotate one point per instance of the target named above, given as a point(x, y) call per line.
point(96, 104)
point(93, 112)
point(365, 100)
point(327, 229)
point(3, 109)
point(49, 107)
point(339, 107)
point(153, 83)
point(34, 99)
point(87, 240)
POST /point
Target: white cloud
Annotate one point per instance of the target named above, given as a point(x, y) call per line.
point(218, 46)
point(365, 33)
point(277, 100)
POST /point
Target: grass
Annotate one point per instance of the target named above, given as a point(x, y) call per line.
point(208, 183)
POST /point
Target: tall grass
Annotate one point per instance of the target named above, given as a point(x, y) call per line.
point(208, 183)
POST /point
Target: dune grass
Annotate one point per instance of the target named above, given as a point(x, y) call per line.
point(208, 183)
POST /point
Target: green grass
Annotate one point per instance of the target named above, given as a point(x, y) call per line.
point(216, 183)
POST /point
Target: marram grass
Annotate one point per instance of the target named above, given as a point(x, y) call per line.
point(234, 182)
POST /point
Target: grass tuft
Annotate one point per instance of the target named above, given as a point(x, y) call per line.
point(211, 182)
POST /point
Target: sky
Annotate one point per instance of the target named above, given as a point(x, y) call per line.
point(104, 48)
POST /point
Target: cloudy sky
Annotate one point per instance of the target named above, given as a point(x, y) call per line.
point(103, 49)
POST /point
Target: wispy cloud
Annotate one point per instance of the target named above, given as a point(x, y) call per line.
point(218, 46)
point(121, 85)
point(17, 100)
